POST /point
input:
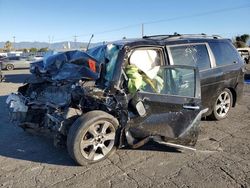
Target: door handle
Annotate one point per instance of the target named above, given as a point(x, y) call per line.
point(191, 107)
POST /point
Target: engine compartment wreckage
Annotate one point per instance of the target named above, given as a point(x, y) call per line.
point(108, 97)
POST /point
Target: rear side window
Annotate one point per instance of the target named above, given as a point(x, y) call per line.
point(14, 58)
point(224, 53)
point(194, 55)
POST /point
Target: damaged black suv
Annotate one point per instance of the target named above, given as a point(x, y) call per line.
point(120, 94)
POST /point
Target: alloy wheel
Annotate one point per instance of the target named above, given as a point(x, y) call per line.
point(98, 140)
point(9, 67)
point(223, 104)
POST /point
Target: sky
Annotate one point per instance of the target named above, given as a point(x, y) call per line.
point(108, 20)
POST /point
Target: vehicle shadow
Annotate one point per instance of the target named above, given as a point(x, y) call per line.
point(16, 78)
point(207, 118)
point(153, 146)
point(18, 144)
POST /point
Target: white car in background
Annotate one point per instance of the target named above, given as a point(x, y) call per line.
point(245, 54)
point(38, 57)
point(16, 62)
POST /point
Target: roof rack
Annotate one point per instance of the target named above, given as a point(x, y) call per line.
point(181, 36)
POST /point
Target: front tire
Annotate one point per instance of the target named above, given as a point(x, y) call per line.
point(93, 137)
point(222, 105)
point(9, 67)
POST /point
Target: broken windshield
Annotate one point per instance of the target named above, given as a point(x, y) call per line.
point(107, 54)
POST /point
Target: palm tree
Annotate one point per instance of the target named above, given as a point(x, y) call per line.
point(241, 41)
point(8, 46)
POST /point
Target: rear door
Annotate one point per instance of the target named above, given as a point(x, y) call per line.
point(174, 112)
point(200, 55)
point(228, 62)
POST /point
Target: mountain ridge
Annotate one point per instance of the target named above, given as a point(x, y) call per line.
point(53, 46)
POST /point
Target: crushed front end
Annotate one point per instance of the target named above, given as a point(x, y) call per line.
point(60, 89)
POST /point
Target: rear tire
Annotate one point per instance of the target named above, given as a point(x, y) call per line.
point(222, 105)
point(9, 67)
point(92, 137)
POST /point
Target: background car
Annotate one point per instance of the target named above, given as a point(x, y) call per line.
point(15, 62)
point(38, 57)
point(245, 54)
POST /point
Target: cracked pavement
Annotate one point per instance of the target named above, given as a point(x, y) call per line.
point(222, 158)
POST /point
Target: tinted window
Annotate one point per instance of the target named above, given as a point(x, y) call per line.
point(14, 58)
point(194, 55)
point(224, 53)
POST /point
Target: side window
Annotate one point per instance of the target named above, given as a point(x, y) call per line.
point(172, 81)
point(194, 55)
point(178, 81)
point(224, 53)
point(14, 58)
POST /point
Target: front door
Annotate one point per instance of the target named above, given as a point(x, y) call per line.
point(173, 111)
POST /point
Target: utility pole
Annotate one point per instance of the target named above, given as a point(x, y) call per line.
point(142, 30)
point(75, 40)
point(14, 41)
point(51, 38)
point(49, 42)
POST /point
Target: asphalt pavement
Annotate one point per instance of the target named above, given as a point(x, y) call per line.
point(222, 158)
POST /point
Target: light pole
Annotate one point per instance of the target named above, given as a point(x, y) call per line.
point(142, 30)
point(14, 41)
point(75, 40)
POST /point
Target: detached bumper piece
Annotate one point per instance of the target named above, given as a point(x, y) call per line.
point(17, 107)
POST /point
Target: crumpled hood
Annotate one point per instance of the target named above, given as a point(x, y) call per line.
point(70, 65)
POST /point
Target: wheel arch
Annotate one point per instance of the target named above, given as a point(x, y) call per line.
point(234, 94)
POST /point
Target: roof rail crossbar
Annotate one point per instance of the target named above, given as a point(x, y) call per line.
point(155, 36)
point(181, 36)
